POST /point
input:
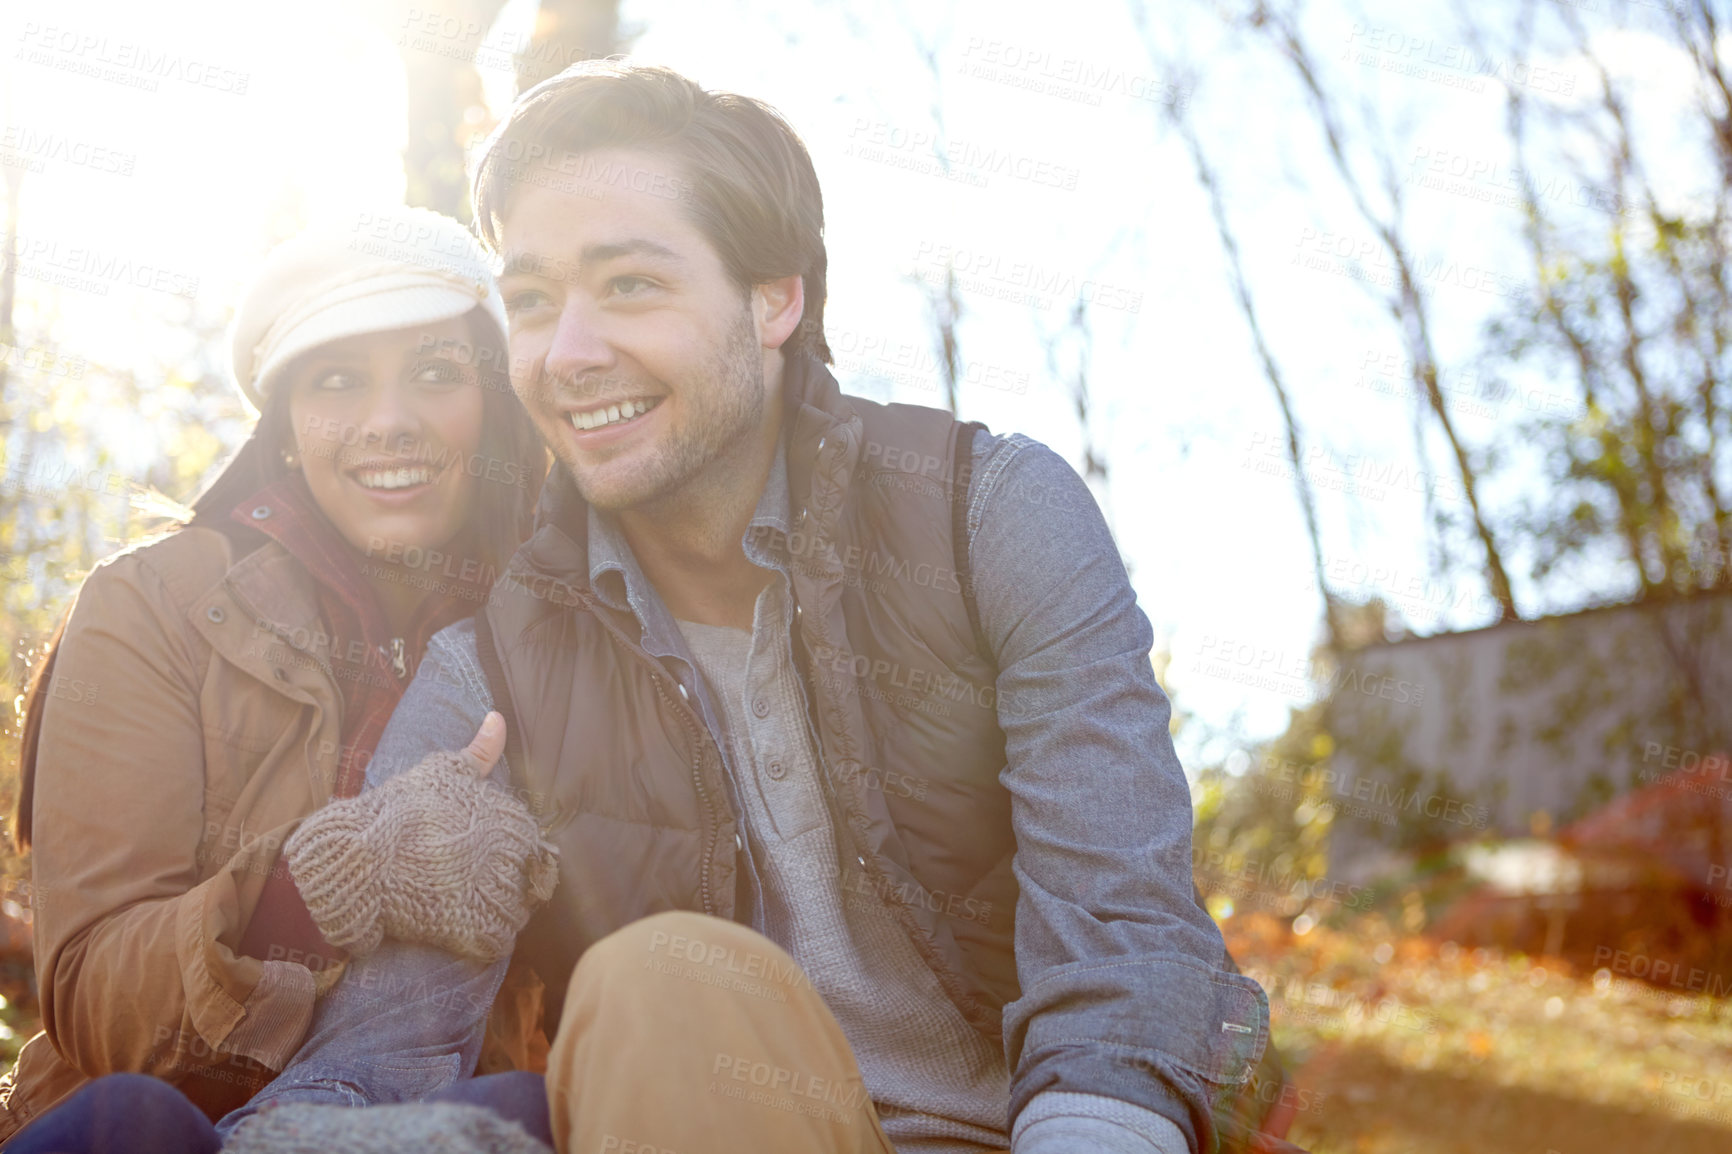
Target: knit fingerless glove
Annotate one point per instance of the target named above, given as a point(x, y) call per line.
point(434, 855)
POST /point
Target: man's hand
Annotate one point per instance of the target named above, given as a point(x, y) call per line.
point(434, 855)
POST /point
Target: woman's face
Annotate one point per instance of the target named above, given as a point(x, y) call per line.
point(386, 425)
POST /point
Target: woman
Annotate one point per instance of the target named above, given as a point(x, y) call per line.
point(235, 674)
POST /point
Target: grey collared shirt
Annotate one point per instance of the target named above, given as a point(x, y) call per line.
point(939, 1085)
point(619, 581)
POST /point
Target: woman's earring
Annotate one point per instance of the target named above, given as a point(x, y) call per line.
point(290, 460)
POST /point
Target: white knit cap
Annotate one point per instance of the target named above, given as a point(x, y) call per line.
point(370, 272)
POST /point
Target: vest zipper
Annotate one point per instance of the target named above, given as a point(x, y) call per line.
point(399, 660)
point(714, 831)
point(659, 678)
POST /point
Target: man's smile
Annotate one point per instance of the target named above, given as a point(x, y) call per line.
point(611, 413)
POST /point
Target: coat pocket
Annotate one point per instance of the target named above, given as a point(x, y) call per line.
point(247, 726)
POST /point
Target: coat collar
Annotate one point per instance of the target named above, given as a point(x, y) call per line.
point(824, 441)
point(278, 589)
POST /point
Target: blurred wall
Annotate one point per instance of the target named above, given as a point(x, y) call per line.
point(1522, 727)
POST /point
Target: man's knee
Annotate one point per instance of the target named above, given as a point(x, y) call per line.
point(679, 935)
point(681, 938)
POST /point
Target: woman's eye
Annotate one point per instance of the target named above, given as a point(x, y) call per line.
point(437, 373)
point(337, 380)
point(524, 300)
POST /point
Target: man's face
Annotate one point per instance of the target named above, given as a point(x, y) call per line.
point(642, 363)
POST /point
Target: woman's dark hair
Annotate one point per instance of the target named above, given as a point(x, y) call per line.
point(501, 519)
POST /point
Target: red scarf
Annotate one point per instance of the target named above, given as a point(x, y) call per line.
point(361, 648)
point(361, 655)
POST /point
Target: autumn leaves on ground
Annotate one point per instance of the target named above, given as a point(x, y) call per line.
point(1399, 1044)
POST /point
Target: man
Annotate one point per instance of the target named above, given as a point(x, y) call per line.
point(840, 715)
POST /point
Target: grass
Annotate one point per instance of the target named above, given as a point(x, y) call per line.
point(1409, 1046)
point(1399, 1044)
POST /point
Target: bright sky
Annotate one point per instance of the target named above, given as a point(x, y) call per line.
point(1060, 180)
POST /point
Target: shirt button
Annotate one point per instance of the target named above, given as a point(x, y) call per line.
point(760, 708)
point(215, 614)
point(261, 512)
point(739, 842)
point(776, 771)
point(684, 696)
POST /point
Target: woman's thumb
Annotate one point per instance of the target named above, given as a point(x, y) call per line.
point(489, 743)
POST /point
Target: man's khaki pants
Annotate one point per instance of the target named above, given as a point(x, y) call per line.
point(687, 1034)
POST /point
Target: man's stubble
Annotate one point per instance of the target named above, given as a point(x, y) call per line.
point(723, 414)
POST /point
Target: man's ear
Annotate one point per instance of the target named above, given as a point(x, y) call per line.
point(777, 307)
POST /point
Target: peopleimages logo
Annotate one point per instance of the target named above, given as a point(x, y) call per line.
point(919, 683)
point(1264, 667)
point(55, 477)
point(1019, 281)
point(1362, 474)
point(849, 1094)
point(92, 270)
point(1658, 971)
point(1344, 786)
point(1038, 69)
point(43, 360)
point(22, 147)
point(123, 61)
point(915, 364)
point(1367, 258)
point(1279, 878)
point(923, 151)
point(1457, 65)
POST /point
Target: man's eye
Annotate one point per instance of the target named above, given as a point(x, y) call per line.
point(629, 285)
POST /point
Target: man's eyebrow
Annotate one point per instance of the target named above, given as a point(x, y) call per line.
point(637, 246)
point(533, 264)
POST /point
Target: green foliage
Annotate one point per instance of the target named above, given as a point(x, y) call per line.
point(1631, 327)
point(88, 450)
point(1260, 839)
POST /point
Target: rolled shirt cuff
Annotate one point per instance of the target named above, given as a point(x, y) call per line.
point(1063, 1122)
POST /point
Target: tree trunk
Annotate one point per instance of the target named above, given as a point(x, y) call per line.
point(441, 54)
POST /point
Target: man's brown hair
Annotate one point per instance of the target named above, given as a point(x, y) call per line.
point(749, 183)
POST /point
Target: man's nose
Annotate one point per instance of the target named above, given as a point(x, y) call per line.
point(581, 348)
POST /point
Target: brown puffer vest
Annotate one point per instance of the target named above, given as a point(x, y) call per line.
point(631, 785)
point(902, 701)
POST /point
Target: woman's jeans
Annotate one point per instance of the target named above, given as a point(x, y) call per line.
point(118, 1114)
point(660, 1046)
point(138, 1114)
